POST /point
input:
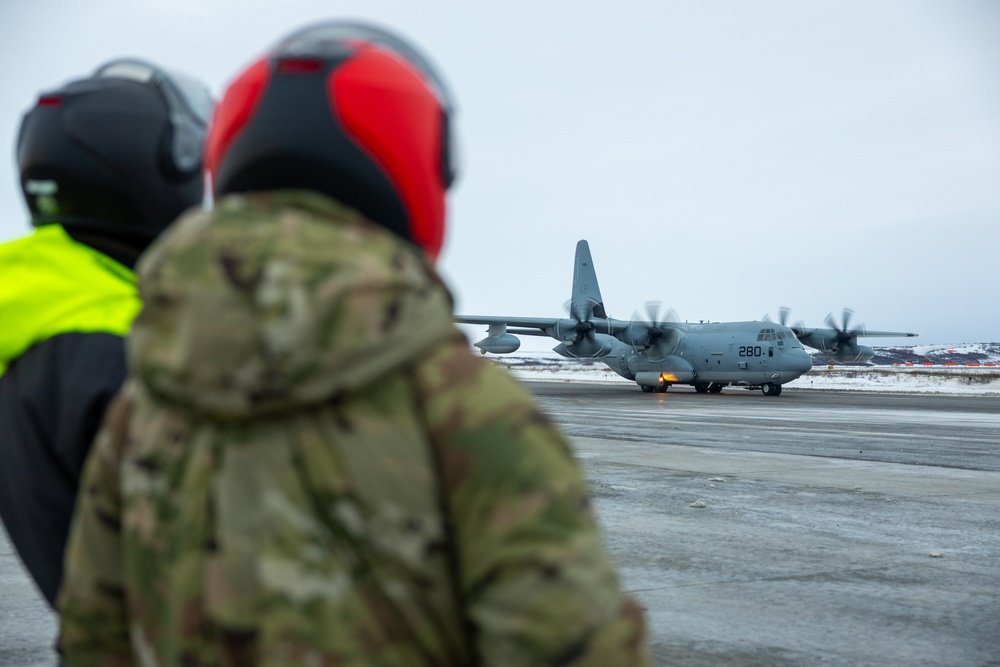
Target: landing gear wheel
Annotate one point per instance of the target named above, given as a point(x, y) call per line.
point(646, 388)
point(715, 388)
point(702, 387)
point(662, 389)
point(771, 389)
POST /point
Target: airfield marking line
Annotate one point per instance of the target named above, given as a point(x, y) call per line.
point(843, 432)
point(915, 480)
point(764, 578)
point(566, 417)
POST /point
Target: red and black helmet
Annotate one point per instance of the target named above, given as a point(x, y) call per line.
point(349, 110)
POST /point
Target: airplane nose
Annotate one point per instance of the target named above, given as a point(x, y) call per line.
point(798, 361)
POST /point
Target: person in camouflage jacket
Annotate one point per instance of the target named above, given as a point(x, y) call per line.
point(312, 467)
point(309, 466)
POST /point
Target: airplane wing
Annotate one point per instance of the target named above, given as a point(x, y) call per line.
point(885, 334)
point(801, 332)
point(578, 338)
point(526, 326)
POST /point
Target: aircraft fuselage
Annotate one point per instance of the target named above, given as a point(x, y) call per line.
point(712, 356)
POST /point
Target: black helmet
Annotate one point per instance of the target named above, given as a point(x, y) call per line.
point(347, 109)
point(117, 155)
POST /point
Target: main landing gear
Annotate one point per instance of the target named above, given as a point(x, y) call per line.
point(771, 389)
point(708, 387)
point(650, 389)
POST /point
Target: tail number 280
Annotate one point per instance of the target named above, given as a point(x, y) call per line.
point(751, 351)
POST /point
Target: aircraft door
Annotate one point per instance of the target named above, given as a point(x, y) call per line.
point(764, 348)
point(713, 349)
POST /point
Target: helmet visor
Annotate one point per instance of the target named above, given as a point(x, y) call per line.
point(183, 93)
point(334, 38)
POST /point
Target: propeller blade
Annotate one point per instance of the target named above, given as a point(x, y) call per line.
point(783, 313)
point(581, 310)
point(847, 319)
point(658, 314)
point(844, 331)
point(584, 327)
point(657, 337)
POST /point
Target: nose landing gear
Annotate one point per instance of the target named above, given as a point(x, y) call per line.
point(771, 389)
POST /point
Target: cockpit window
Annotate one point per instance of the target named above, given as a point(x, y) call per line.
point(766, 335)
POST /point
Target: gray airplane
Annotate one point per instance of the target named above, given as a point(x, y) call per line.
point(660, 351)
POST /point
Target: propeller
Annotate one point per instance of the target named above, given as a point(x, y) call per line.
point(844, 331)
point(654, 334)
point(783, 313)
point(584, 344)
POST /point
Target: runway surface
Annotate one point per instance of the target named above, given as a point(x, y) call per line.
point(836, 528)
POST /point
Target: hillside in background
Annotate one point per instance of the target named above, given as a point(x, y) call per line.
point(962, 354)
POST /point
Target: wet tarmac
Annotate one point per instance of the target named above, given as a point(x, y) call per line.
point(27, 624)
point(814, 528)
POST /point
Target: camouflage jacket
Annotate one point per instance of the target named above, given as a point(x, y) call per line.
point(308, 466)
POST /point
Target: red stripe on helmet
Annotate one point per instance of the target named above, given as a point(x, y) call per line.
point(388, 109)
point(234, 112)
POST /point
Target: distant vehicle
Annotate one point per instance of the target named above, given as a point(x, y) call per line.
point(659, 351)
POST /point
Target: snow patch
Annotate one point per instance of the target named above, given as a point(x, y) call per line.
point(938, 379)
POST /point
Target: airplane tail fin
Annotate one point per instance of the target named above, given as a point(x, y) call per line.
point(586, 302)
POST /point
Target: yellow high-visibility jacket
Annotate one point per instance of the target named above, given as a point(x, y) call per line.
point(64, 310)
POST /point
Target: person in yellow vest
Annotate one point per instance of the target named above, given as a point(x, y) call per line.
point(106, 163)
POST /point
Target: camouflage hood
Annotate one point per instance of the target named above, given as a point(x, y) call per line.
point(280, 300)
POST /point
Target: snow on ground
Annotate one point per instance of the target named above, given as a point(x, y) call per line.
point(961, 380)
point(961, 349)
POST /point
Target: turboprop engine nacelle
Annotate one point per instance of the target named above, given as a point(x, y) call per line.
point(583, 348)
point(853, 354)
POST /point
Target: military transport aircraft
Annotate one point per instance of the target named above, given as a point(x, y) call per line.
point(660, 351)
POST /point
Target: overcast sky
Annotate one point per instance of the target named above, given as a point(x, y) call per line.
point(723, 158)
